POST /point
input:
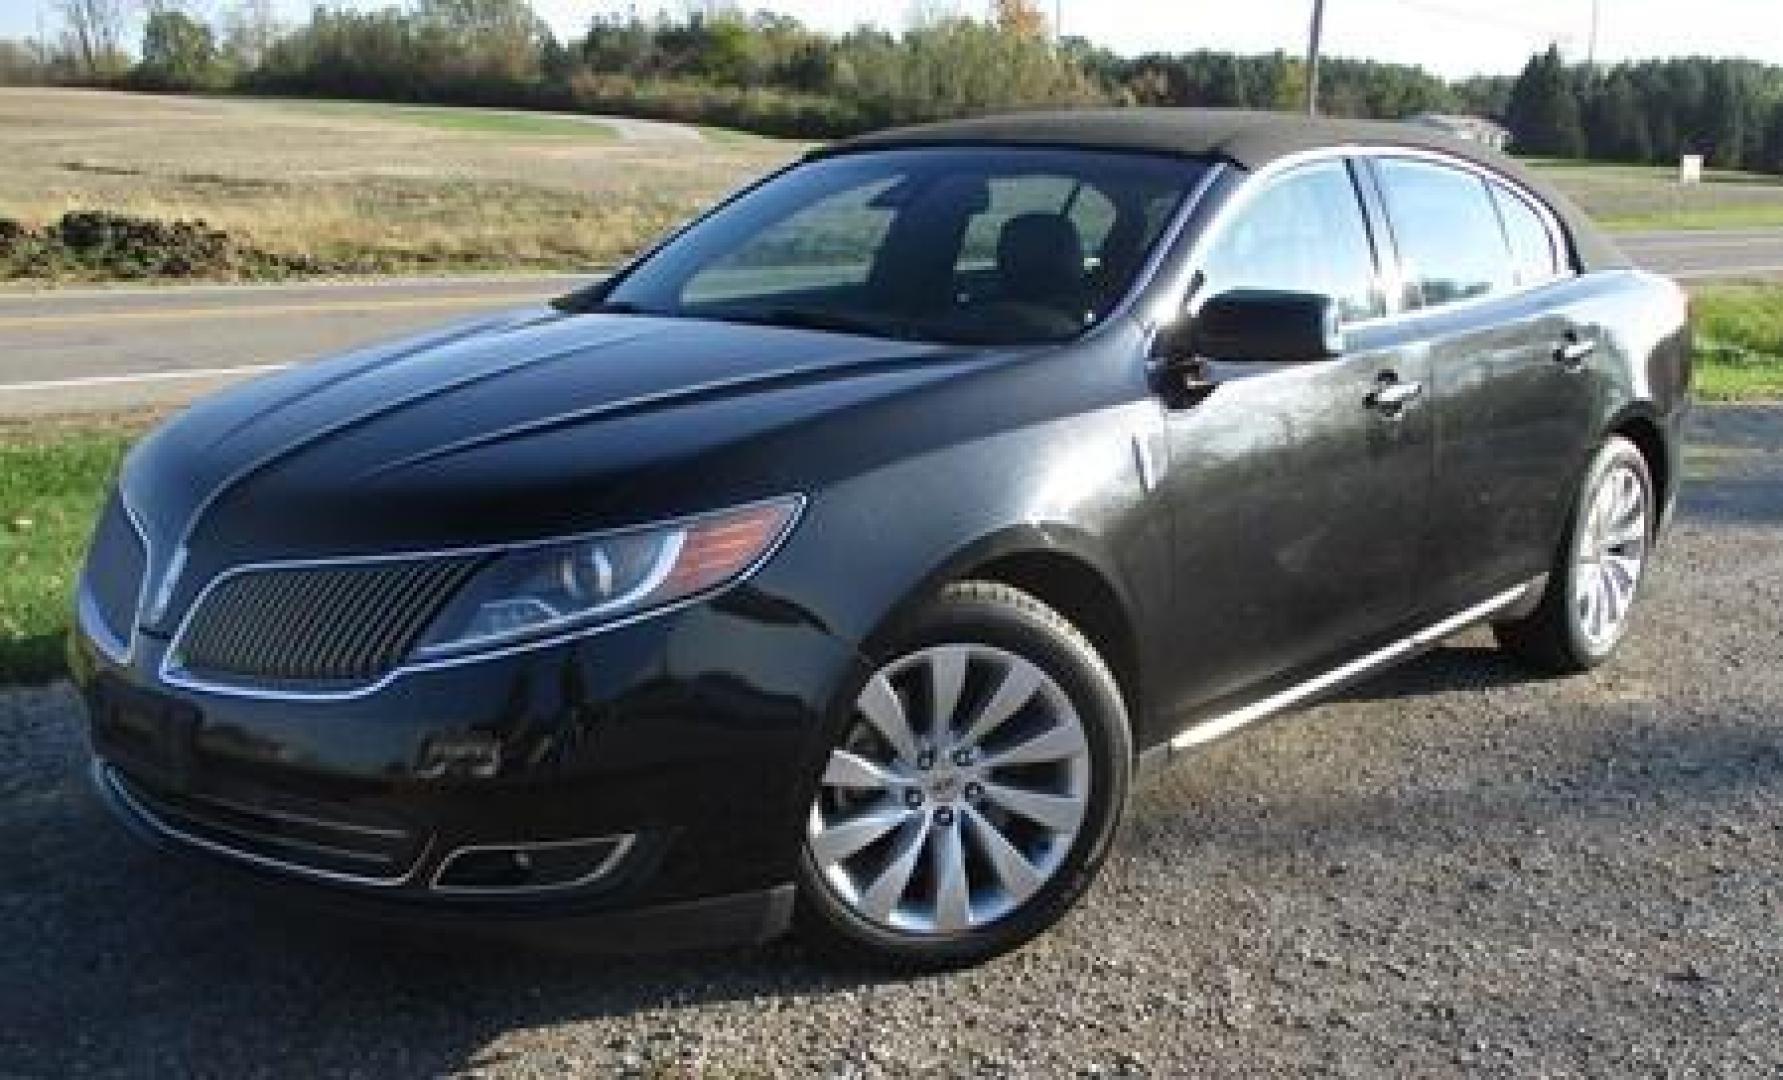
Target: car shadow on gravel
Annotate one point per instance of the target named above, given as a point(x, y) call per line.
point(1442, 670)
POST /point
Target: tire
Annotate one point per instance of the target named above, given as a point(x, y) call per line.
point(935, 889)
point(1595, 580)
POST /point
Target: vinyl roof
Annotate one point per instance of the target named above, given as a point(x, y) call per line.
point(1246, 138)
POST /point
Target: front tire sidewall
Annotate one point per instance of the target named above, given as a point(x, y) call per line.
point(1007, 619)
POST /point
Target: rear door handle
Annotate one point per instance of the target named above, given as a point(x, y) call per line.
point(1390, 398)
point(1574, 351)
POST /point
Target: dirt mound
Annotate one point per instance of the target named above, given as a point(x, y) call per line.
point(97, 245)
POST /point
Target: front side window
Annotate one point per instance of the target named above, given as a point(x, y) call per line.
point(993, 245)
point(1305, 233)
point(1450, 241)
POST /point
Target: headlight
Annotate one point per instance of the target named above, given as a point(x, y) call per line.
point(537, 590)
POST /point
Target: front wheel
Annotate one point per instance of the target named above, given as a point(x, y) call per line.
point(1591, 590)
point(973, 790)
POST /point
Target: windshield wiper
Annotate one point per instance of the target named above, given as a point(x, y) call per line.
point(602, 307)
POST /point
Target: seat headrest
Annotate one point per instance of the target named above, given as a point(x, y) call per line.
point(1040, 257)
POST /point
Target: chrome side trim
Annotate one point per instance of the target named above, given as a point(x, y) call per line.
point(113, 785)
point(622, 846)
point(1209, 730)
point(173, 675)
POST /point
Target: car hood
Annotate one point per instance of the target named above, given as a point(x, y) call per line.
point(533, 423)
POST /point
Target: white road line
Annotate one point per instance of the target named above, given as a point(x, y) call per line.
point(142, 376)
point(1687, 247)
point(1726, 273)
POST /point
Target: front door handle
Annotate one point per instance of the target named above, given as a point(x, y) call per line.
point(1574, 351)
point(1391, 397)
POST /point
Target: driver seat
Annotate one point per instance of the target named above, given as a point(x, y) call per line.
point(1040, 261)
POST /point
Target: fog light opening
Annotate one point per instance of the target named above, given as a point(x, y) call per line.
point(512, 869)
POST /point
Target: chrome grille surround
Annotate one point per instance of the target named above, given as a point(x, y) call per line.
point(114, 579)
point(325, 626)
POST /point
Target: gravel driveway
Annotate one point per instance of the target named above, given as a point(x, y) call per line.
point(1450, 870)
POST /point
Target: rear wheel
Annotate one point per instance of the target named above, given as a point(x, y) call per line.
point(1597, 574)
point(973, 790)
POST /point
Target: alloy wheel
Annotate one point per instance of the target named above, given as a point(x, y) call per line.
point(955, 793)
point(1610, 557)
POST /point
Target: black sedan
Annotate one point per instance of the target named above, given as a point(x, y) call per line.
point(840, 560)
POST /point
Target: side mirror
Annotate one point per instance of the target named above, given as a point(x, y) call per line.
point(1265, 326)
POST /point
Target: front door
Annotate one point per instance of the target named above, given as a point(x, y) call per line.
point(1298, 497)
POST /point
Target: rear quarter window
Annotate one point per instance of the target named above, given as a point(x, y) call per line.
point(1534, 257)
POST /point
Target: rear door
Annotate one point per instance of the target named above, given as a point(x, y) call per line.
point(1511, 373)
point(1298, 500)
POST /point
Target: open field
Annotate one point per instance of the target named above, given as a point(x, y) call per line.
point(365, 188)
point(1629, 198)
point(361, 188)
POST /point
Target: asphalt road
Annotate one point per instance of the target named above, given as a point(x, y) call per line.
point(1451, 870)
point(101, 349)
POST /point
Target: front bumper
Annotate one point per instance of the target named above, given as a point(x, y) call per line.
point(692, 737)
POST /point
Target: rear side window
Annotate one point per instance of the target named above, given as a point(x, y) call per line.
point(1447, 229)
point(1532, 245)
point(1303, 233)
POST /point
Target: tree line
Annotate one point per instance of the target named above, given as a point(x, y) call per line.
point(716, 64)
point(1729, 111)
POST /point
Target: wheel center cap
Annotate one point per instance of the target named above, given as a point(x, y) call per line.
point(946, 787)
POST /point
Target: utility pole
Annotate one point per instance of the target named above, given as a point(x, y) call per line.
point(1591, 50)
point(1312, 57)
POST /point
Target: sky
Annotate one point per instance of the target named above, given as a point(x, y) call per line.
point(1451, 37)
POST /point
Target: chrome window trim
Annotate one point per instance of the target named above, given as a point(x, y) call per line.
point(113, 785)
point(173, 675)
point(623, 843)
point(121, 653)
point(1175, 296)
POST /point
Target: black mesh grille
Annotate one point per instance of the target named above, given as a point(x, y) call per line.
point(325, 624)
point(115, 565)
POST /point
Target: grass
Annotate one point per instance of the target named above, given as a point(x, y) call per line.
point(361, 188)
point(1739, 342)
point(1633, 198)
point(366, 188)
point(446, 118)
point(51, 486)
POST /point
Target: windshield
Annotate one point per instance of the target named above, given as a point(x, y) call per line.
point(971, 245)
